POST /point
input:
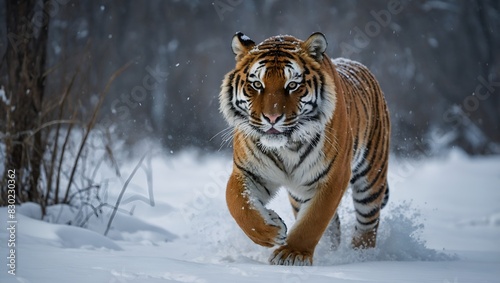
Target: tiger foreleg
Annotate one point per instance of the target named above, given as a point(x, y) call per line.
point(312, 221)
point(263, 226)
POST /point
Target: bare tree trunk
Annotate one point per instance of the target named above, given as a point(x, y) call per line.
point(27, 32)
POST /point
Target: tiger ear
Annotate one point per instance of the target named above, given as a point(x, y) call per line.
point(241, 44)
point(316, 45)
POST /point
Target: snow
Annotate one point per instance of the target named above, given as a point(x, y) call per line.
point(245, 37)
point(3, 96)
point(442, 224)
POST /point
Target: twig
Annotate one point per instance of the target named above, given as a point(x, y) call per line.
point(149, 174)
point(122, 193)
point(56, 139)
point(90, 125)
point(61, 157)
point(80, 191)
point(30, 133)
point(112, 157)
point(96, 211)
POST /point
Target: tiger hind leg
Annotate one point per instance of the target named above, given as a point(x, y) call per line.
point(333, 232)
point(368, 201)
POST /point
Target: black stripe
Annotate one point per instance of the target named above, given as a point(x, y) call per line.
point(240, 101)
point(309, 83)
point(366, 115)
point(355, 146)
point(386, 197)
point(380, 155)
point(274, 62)
point(370, 198)
point(299, 200)
point(235, 111)
point(371, 222)
point(374, 137)
point(246, 94)
point(370, 214)
point(363, 173)
point(365, 155)
point(275, 159)
point(237, 80)
point(312, 103)
point(251, 176)
point(377, 177)
point(280, 163)
point(309, 149)
point(277, 53)
point(316, 87)
point(251, 148)
point(323, 174)
point(230, 86)
point(362, 164)
point(306, 69)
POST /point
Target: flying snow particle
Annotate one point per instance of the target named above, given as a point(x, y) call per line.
point(433, 42)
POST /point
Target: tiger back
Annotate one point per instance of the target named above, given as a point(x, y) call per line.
point(313, 126)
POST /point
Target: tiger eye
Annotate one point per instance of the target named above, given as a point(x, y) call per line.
point(257, 85)
point(292, 85)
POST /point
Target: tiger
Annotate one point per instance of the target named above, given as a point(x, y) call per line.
point(312, 125)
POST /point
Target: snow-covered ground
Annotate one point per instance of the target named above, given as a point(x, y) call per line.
point(442, 225)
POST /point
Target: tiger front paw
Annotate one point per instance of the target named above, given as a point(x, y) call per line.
point(271, 233)
point(287, 256)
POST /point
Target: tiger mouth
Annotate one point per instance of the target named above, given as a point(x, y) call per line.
point(273, 131)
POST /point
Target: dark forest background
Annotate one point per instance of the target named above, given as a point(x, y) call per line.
point(430, 58)
point(152, 69)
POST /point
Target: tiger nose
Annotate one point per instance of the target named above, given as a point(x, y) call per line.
point(272, 118)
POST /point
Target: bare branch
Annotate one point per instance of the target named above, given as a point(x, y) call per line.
point(122, 193)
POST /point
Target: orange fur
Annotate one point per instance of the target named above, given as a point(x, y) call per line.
point(312, 125)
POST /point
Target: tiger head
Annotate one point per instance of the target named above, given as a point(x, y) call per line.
point(278, 93)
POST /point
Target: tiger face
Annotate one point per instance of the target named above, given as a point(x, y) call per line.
point(278, 95)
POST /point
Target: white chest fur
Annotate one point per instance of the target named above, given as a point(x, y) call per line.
point(294, 167)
